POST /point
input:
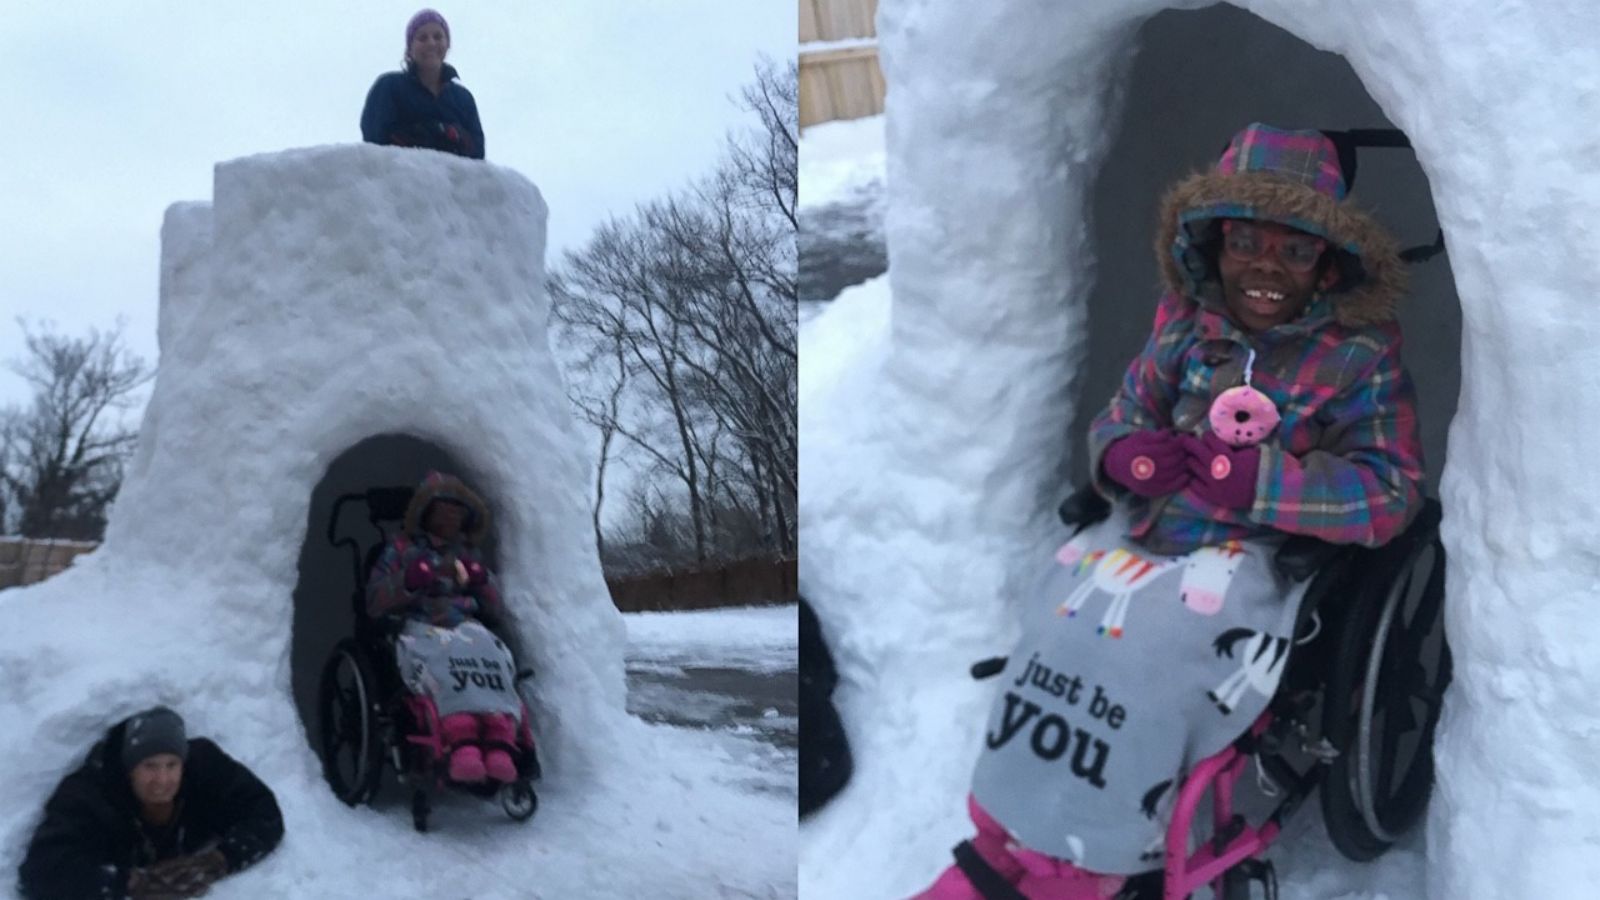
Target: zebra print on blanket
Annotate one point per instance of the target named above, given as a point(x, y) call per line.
point(1131, 669)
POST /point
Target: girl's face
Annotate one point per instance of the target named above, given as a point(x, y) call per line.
point(445, 518)
point(1265, 281)
point(428, 46)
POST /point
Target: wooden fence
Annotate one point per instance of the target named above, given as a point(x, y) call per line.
point(839, 82)
point(24, 561)
point(750, 583)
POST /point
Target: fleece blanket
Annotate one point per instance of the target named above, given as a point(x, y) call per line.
point(464, 669)
point(1131, 669)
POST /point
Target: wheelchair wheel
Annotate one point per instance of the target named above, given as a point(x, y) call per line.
point(518, 800)
point(1384, 695)
point(348, 706)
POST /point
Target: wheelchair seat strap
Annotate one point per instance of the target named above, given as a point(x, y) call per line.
point(991, 884)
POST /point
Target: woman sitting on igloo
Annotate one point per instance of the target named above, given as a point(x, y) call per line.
point(433, 575)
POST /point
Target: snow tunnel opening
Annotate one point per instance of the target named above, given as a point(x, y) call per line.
point(323, 596)
point(1173, 123)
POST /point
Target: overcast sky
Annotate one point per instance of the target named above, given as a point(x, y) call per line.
point(118, 109)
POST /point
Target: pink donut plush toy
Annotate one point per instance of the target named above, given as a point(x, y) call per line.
point(1243, 416)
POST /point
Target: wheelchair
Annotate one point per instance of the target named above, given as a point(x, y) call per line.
point(369, 721)
point(1354, 714)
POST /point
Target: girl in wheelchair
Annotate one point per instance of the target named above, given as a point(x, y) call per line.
point(1269, 401)
point(432, 576)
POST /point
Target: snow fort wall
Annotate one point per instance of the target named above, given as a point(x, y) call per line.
point(325, 296)
point(946, 455)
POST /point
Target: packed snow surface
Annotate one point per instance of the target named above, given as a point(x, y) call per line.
point(325, 296)
point(760, 638)
point(932, 420)
point(840, 159)
point(731, 672)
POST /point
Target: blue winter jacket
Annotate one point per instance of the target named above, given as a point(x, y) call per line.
point(400, 111)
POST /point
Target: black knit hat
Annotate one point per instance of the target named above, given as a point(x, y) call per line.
point(156, 730)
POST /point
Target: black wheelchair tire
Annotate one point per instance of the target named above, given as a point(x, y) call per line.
point(519, 800)
point(1360, 828)
point(348, 724)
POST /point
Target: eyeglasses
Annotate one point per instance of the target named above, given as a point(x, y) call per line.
point(1247, 243)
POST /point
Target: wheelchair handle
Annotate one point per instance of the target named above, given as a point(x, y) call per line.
point(337, 542)
point(988, 668)
point(1084, 507)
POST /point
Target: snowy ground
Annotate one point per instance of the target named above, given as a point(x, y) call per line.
point(729, 674)
point(840, 341)
point(710, 814)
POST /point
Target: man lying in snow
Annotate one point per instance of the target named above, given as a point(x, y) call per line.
point(150, 815)
point(825, 763)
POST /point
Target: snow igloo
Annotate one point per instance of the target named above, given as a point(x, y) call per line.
point(339, 318)
point(1027, 144)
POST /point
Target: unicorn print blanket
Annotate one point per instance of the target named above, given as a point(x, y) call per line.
point(464, 669)
point(1131, 669)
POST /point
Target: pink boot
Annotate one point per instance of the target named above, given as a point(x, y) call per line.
point(499, 732)
point(459, 732)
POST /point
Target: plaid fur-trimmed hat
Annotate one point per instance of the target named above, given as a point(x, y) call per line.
point(436, 487)
point(1292, 178)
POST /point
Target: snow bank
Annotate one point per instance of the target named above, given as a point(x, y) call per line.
point(762, 638)
point(933, 445)
point(325, 296)
point(840, 159)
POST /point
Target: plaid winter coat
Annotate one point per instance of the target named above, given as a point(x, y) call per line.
point(1345, 463)
point(446, 601)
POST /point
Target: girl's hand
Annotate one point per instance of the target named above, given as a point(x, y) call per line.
point(1148, 463)
point(1223, 476)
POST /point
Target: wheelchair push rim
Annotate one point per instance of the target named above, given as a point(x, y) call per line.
point(1385, 672)
point(1376, 797)
point(351, 755)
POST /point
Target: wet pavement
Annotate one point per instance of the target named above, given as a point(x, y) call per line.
point(753, 715)
point(841, 244)
point(762, 705)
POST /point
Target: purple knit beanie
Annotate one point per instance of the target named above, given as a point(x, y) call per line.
point(423, 18)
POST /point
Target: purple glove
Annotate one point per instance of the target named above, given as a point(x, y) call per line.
point(1149, 463)
point(1222, 475)
point(419, 575)
point(476, 573)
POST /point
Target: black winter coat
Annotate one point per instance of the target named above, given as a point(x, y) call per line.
point(825, 763)
point(400, 111)
point(92, 838)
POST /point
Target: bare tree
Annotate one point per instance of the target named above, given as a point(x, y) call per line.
point(69, 447)
point(693, 297)
point(771, 164)
point(10, 419)
point(612, 291)
point(597, 393)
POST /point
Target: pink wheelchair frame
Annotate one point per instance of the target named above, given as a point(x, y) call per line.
point(1219, 774)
